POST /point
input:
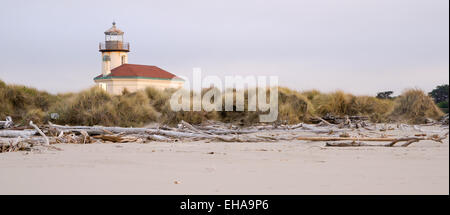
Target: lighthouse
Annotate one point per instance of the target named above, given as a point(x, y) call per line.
point(118, 75)
point(114, 50)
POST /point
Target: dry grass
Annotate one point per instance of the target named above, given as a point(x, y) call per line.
point(241, 117)
point(341, 104)
point(336, 103)
point(96, 107)
point(293, 107)
point(158, 98)
point(377, 109)
point(194, 117)
point(415, 106)
point(24, 103)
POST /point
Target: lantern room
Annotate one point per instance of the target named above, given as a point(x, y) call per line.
point(114, 41)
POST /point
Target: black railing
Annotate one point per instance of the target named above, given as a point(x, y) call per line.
point(114, 46)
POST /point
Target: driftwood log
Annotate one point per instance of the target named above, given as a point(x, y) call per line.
point(17, 133)
point(7, 123)
point(47, 142)
point(392, 141)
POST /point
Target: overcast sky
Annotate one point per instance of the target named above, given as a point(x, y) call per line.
point(360, 46)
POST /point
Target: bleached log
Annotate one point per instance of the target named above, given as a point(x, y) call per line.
point(190, 127)
point(324, 121)
point(7, 123)
point(355, 143)
point(158, 137)
point(352, 144)
point(393, 141)
point(296, 126)
point(417, 128)
point(97, 130)
point(117, 138)
point(221, 129)
point(314, 129)
point(311, 128)
point(226, 132)
point(237, 138)
point(381, 139)
point(231, 131)
point(180, 134)
point(86, 137)
point(17, 133)
point(47, 142)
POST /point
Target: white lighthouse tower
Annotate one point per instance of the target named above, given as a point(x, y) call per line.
point(114, 50)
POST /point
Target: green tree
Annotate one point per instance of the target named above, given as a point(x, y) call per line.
point(440, 93)
point(385, 95)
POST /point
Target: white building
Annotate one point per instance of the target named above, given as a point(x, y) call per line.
point(117, 74)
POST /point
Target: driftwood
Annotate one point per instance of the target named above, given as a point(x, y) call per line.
point(190, 127)
point(381, 139)
point(156, 137)
point(329, 130)
point(17, 133)
point(393, 141)
point(118, 138)
point(188, 131)
point(7, 123)
point(340, 119)
point(102, 132)
point(323, 121)
point(98, 130)
point(24, 144)
point(14, 145)
point(334, 135)
point(47, 142)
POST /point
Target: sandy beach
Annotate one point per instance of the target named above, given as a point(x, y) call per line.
point(199, 167)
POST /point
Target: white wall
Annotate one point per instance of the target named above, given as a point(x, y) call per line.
point(116, 86)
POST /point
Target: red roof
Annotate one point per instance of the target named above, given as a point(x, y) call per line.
point(138, 71)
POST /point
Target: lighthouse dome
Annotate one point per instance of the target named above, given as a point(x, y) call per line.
point(114, 30)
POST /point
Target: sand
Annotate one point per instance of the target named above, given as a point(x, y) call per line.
point(289, 167)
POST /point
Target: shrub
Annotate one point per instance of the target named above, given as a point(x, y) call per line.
point(173, 117)
point(158, 98)
point(376, 109)
point(19, 102)
point(414, 106)
point(293, 107)
point(96, 107)
point(337, 103)
point(134, 109)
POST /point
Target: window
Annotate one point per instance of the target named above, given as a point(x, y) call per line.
point(124, 59)
point(102, 86)
point(106, 58)
point(114, 37)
